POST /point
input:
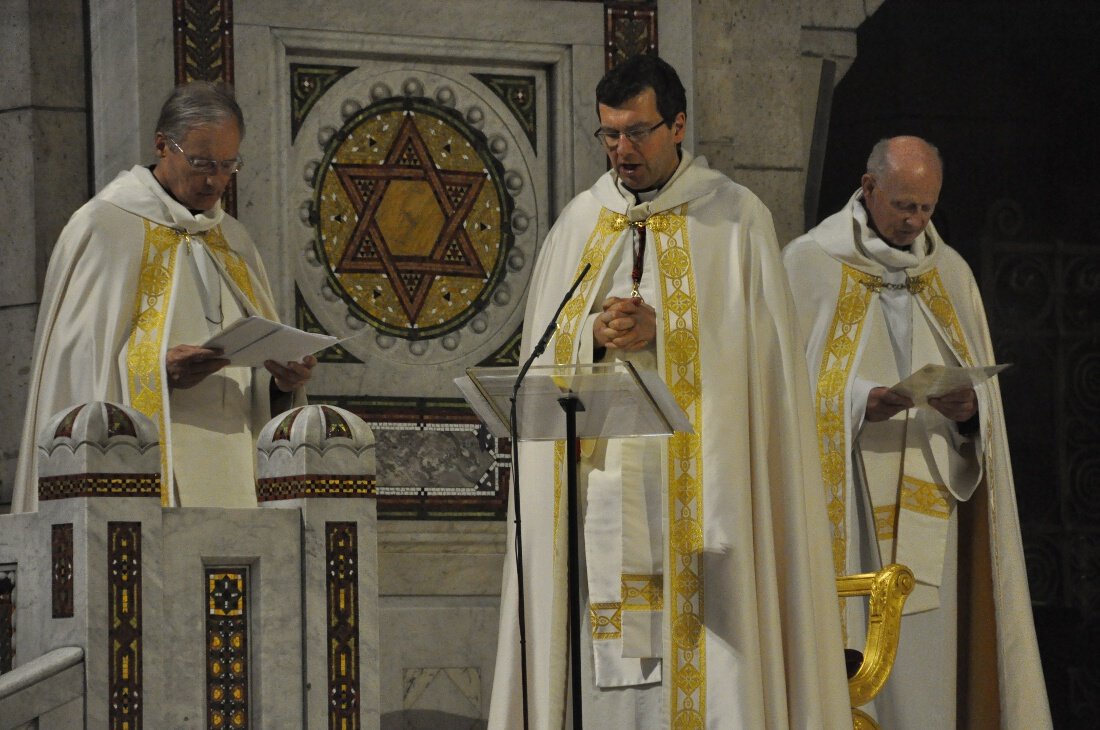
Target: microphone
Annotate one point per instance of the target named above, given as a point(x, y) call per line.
point(540, 347)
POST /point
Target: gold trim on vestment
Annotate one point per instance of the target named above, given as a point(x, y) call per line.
point(145, 370)
point(643, 592)
point(885, 521)
point(682, 373)
point(837, 359)
point(606, 620)
point(926, 498)
point(231, 261)
point(935, 298)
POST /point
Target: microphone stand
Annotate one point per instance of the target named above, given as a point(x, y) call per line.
point(540, 347)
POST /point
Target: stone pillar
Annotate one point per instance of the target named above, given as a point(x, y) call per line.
point(320, 460)
point(95, 568)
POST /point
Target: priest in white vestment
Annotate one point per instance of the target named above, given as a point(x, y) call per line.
point(880, 295)
point(707, 601)
point(141, 275)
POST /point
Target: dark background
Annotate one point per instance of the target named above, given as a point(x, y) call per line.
point(1010, 93)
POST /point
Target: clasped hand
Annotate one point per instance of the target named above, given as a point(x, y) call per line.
point(959, 405)
point(187, 365)
point(626, 323)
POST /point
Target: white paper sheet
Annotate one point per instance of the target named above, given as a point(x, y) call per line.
point(932, 381)
point(250, 341)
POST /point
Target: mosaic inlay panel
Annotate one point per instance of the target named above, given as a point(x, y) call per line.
point(202, 42)
point(7, 618)
point(227, 642)
point(435, 459)
point(61, 558)
point(99, 485)
point(412, 218)
point(124, 635)
point(342, 600)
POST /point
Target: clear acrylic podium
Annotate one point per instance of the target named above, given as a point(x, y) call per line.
point(599, 400)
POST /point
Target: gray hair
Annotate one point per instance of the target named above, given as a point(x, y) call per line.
point(878, 162)
point(195, 104)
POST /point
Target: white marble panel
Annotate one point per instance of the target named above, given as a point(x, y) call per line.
point(132, 73)
point(440, 558)
point(316, 513)
point(267, 541)
point(437, 661)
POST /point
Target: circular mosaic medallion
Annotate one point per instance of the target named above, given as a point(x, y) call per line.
point(413, 217)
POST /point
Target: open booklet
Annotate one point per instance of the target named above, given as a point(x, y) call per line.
point(250, 341)
point(932, 381)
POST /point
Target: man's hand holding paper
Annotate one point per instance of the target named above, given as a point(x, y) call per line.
point(938, 381)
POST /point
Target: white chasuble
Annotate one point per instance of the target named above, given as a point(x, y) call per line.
point(733, 621)
point(895, 490)
point(121, 288)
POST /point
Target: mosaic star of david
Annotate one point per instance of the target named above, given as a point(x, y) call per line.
point(411, 219)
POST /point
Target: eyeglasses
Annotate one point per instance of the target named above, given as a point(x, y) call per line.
point(611, 137)
point(210, 167)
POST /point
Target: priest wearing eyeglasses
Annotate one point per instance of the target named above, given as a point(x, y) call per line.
point(141, 276)
point(706, 601)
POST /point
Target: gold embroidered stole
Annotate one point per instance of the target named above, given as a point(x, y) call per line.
point(682, 372)
point(855, 294)
point(148, 391)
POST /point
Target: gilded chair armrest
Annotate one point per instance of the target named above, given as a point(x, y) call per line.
point(888, 590)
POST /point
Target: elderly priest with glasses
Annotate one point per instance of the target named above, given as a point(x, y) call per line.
point(142, 275)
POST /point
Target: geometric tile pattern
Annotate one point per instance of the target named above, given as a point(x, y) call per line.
point(342, 591)
point(61, 558)
point(124, 625)
point(227, 665)
point(98, 485)
point(203, 48)
point(630, 29)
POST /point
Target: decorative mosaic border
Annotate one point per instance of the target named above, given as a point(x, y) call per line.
point(484, 499)
point(342, 591)
point(124, 639)
point(299, 487)
point(99, 485)
point(61, 558)
point(227, 641)
point(630, 28)
point(203, 47)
